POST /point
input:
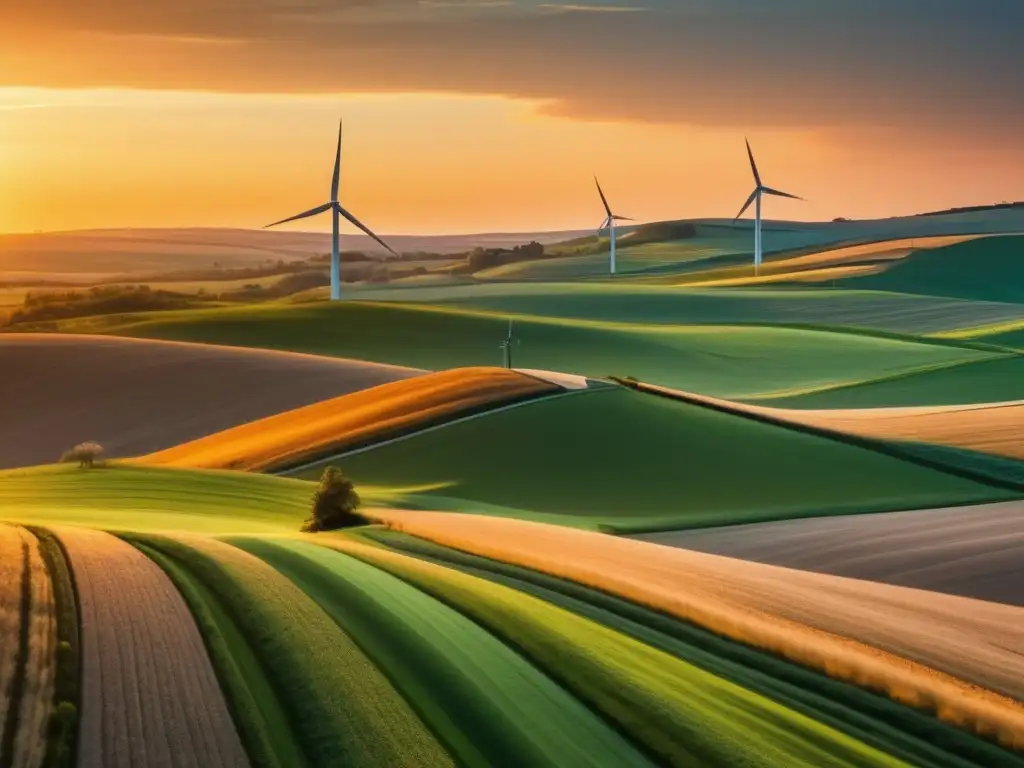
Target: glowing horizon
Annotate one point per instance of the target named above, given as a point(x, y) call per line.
point(472, 118)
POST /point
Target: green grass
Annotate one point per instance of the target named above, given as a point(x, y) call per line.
point(877, 720)
point(486, 703)
point(987, 269)
point(340, 707)
point(710, 359)
point(124, 498)
point(630, 302)
point(631, 461)
point(680, 713)
point(259, 718)
point(977, 382)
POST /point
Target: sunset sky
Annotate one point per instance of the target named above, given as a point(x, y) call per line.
point(493, 115)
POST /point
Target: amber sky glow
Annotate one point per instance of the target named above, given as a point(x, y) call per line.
point(466, 117)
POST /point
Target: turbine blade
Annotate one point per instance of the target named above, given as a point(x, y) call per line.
point(753, 165)
point(623, 218)
point(778, 193)
point(363, 227)
point(746, 204)
point(604, 200)
point(603, 226)
point(303, 215)
point(337, 168)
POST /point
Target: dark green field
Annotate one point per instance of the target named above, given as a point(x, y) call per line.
point(628, 461)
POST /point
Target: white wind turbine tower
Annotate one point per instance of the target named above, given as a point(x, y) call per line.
point(336, 210)
point(755, 197)
point(506, 346)
point(609, 222)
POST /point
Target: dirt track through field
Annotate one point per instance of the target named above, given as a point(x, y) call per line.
point(150, 698)
point(969, 551)
point(962, 658)
point(138, 396)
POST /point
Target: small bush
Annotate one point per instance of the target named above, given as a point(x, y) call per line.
point(334, 504)
point(88, 455)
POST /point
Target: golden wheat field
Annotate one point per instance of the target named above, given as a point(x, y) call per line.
point(956, 656)
point(343, 422)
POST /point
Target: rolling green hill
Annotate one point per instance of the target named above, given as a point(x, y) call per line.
point(630, 461)
point(728, 361)
point(988, 269)
point(984, 381)
point(625, 302)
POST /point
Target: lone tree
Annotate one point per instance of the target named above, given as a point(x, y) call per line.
point(334, 504)
point(87, 454)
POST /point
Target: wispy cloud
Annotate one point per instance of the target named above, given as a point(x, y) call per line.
point(573, 8)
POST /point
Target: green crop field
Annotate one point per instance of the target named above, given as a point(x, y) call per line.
point(627, 460)
point(634, 303)
point(988, 269)
point(681, 714)
point(903, 732)
point(487, 704)
point(983, 381)
point(712, 359)
point(125, 497)
point(341, 707)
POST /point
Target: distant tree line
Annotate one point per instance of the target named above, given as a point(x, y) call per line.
point(484, 258)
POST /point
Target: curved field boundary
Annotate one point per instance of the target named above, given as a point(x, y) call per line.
point(28, 646)
point(257, 713)
point(67, 701)
point(149, 693)
point(950, 655)
point(492, 707)
point(341, 708)
point(297, 437)
point(792, 419)
point(973, 552)
point(903, 732)
point(323, 461)
point(682, 714)
point(994, 428)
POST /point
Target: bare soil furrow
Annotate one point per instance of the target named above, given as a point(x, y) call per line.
point(150, 698)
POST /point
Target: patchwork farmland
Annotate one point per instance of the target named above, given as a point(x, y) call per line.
point(700, 520)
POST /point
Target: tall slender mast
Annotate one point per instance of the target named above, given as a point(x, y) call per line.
point(335, 257)
point(757, 234)
point(613, 246)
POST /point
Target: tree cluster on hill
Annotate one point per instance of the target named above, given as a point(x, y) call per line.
point(100, 300)
point(349, 256)
point(661, 232)
point(88, 455)
point(335, 504)
point(483, 258)
point(44, 307)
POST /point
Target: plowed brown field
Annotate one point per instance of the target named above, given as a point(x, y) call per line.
point(136, 396)
point(149, 693)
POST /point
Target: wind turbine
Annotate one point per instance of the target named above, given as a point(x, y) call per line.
point(609, 222)
point(755, 197)
point(506, 345)
point(336, 210)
